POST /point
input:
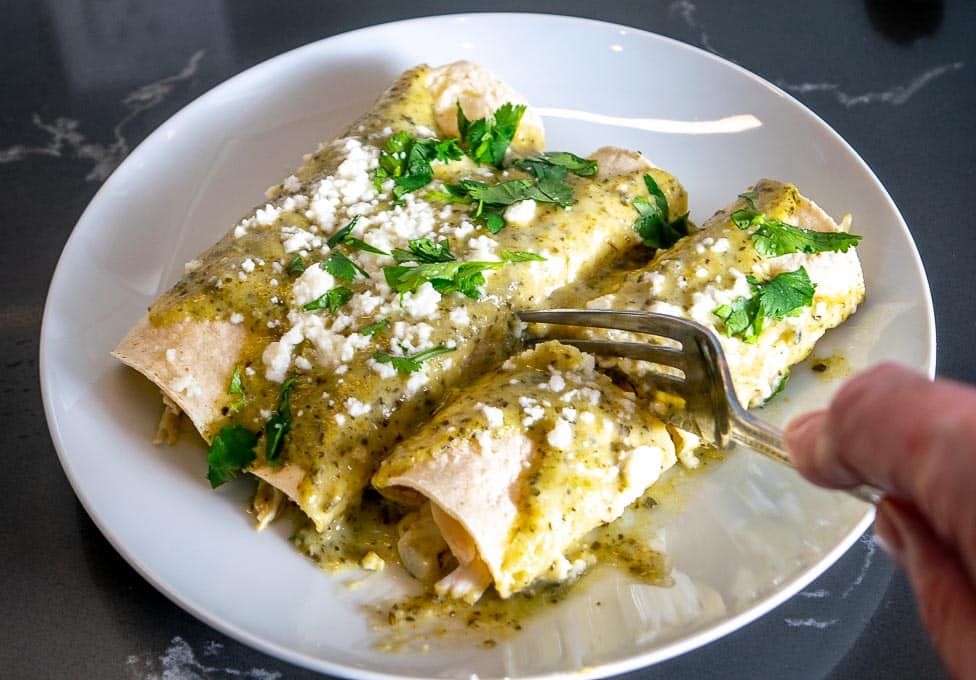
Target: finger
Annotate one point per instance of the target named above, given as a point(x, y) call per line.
point(897, 430)
point(816, 462)
point(945, 592)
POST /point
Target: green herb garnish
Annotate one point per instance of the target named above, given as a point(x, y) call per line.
point(783, 295)
point(411, 364)
point(424, 250)
point(236, 388)
point(374, 328)
point(447, 277)
point(279, 423)
point(654, 225)
point(296, 265)
point(492, 199)
point(231, 451)
point(331, 300)
point(343, 237)
point(556, 165)
point(775, 237)
point(487, 139)
point(342, 267)
point(407, 161)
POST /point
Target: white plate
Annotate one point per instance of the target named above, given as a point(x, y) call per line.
point(752, 535)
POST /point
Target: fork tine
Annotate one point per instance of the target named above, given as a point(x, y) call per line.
point(662, 356)
point(633, 321)
point(671, 357)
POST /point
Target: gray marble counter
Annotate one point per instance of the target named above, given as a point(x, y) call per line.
point(83, 82)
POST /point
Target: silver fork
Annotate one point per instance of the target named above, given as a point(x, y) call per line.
point(711, 408)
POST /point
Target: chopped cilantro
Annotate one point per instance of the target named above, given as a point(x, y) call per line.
point(653, 224)
point(343, 268)
point(424, 250)
point(406, 161)
point(556, 164)
point(231, 451)
point(236, 388)
point(780, 386)
point(487, 139)
point(374, 328)
point(411, 364)
point(783, 295)
point(451, 276)
point(774, 237)
point(279, 423)
point(491, 199)
point(331, 300)
point(343, 237)
point(296, 265)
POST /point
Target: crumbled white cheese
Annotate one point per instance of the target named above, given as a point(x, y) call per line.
point(192, 266)
point(459, 317)
point(248, 265)
point(311, 285)
point(493, 415)
point(356, 408)
point(187, 385)
point(521, 213)
point(267, 215)
point(561, 435)
point(236, 318)
point(423, 302)
point(291, 184)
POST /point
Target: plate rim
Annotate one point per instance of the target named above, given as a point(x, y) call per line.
point(758, 609)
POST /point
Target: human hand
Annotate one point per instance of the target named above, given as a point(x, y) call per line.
point(915, 439)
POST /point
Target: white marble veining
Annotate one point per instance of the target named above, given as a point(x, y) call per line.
point(66, 138)
point(811, 623)
point(180, 662)
point(870, 543)
point(895, 95)
point(686, 10)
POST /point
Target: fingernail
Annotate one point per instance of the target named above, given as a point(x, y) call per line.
point(889, 531)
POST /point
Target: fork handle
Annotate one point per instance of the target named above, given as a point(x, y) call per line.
point(768, 441)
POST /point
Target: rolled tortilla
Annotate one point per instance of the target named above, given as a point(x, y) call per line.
point(514, 475)
point(708, 269)
point(520, 465)
point(242, 305)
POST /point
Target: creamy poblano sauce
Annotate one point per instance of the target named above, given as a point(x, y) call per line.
point(347, 407)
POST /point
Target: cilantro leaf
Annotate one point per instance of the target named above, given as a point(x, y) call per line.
point(343, 237)
point(774, 238)
point(445, 277)
point(451, 276)
point(411, 364)
point(407, 161)
point(374, 328)
point(653, 224)
point(424, 250)
point(343, 268)
point(331, 300)
point(231, 451)
point(296, 265)
point(750, 198)
point(520, 256)
point(236, 388)
point(783, 295)
point(487, 139)
point(556, 164)
point(279, 423)
point(340, 236)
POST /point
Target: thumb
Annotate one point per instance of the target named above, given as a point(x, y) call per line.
point(946, 597)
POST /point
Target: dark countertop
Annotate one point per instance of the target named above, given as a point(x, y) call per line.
point(83, 82)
